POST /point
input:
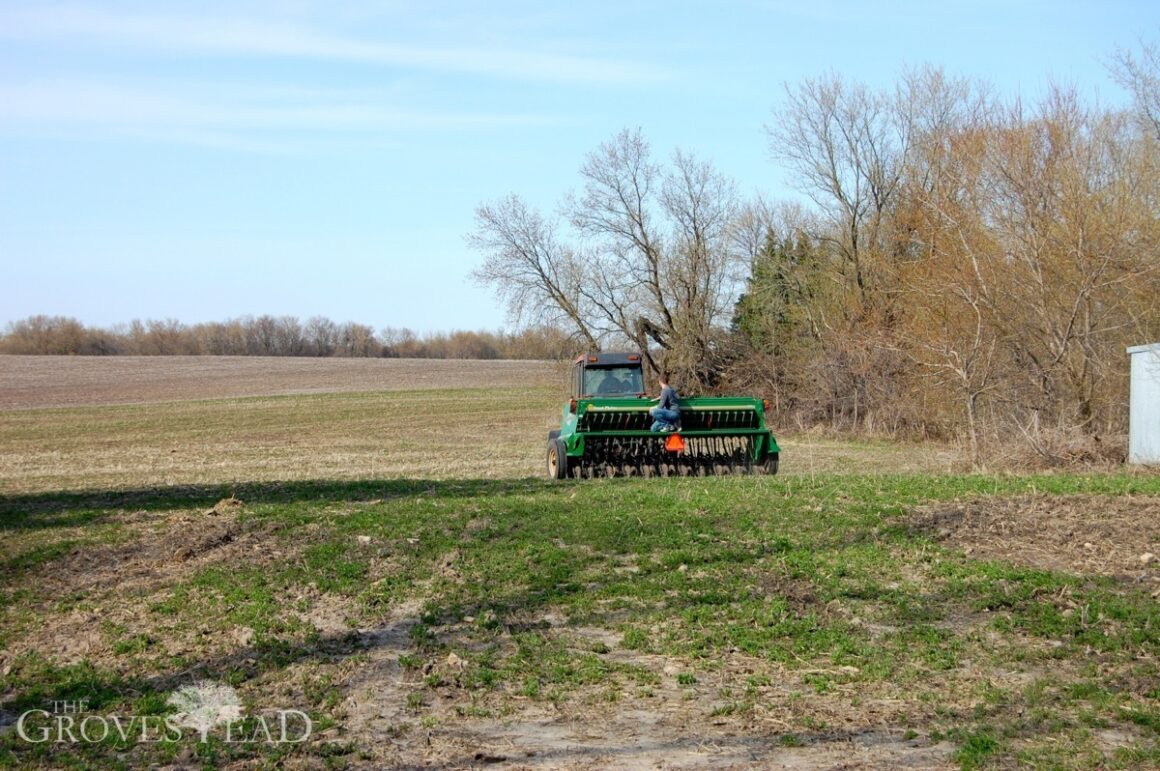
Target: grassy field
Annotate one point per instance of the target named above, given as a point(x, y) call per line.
point(388, 563)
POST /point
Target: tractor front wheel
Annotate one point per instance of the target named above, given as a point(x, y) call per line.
point(557, 459)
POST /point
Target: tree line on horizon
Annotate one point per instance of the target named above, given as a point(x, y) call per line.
point(965, 265)
point(274, 336)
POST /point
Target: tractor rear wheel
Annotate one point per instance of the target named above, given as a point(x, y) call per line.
point(557, 459)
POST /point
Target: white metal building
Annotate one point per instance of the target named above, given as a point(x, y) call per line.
point(1144, 405)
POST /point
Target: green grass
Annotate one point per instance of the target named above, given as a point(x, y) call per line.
point(804, 597)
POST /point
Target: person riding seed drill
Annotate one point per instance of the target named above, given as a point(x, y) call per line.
point(667, 414)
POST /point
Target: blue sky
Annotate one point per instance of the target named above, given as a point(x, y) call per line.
point(205, 160)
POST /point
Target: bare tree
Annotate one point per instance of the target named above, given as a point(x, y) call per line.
point(951, 334)
point(847, 147)
point(1036, 266)
point(946, 274)
point(1067, 192)
point(539, 279)
point(651, 260)
point(356, 340)
point(1140, 74)
point(321, 336)
point(667, 269)
point(44, 335)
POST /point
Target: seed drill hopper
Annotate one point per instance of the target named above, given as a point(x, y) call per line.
point(605, 429)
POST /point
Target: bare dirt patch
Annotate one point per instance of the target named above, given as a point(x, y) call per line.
point(62, 381)
point(376, 691)
point(119, 580)
point(640, 737)
point(1084, 534)
point(164, 546)
point(656, 721)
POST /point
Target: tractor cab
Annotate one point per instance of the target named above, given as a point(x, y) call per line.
point(608, 375)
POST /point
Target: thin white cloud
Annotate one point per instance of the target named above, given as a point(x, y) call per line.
point(235, 117)
point(852, 12)
point(226, 36)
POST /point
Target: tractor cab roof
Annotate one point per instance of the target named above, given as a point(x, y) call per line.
point(602, 360)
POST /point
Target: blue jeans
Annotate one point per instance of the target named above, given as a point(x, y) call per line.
point(664, 418)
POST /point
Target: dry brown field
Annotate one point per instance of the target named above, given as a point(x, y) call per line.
point(62, 381)
point(132, 422)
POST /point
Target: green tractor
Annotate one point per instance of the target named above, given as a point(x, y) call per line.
point(605, 429)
